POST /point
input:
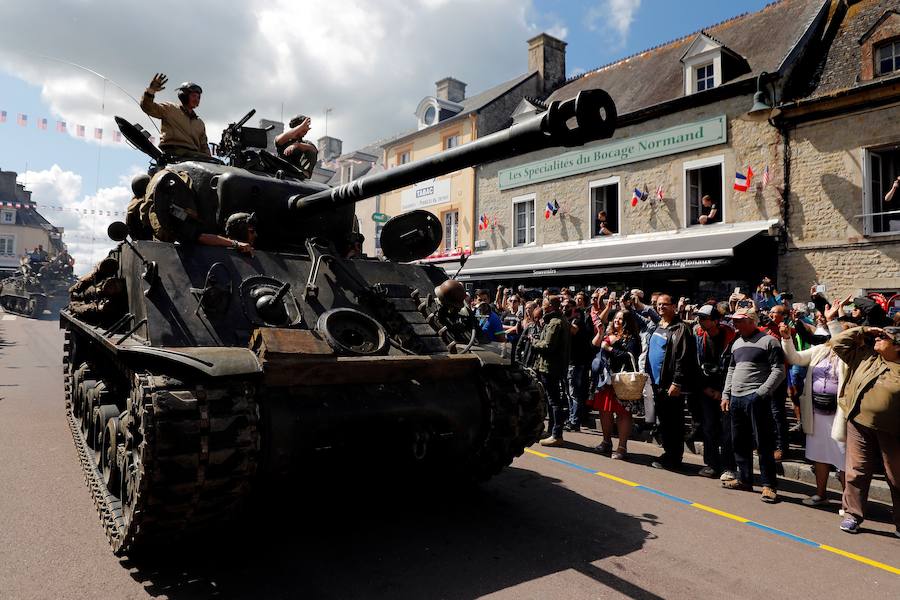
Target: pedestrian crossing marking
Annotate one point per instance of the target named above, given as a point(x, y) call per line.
point(722, 513)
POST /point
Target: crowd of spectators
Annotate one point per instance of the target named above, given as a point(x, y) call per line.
point(731, 365)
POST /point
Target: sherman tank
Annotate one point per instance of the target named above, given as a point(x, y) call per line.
point(37, 285)
point(195, 373)
point(24, 294)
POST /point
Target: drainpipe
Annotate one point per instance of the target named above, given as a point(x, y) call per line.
point(785, 132)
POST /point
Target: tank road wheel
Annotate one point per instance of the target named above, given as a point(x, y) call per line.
point(102, 415)
point(82, 373)
point(515, 418)
point(109, 455)
point(88, 401)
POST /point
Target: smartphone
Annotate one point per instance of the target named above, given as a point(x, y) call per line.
point(820, 288)
point(612, 296)
point(737, 290)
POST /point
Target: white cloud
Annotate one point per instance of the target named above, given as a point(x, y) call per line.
point(370, 62)
point(613, 15)
point(83, 216)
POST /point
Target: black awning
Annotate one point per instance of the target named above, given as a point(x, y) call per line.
point(676, 252)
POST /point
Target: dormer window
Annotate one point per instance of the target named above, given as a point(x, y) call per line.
point(432, 110)
point(705, 77)
point(7, 217)
point(708, 63)
point(887, 58)
point(430, 115)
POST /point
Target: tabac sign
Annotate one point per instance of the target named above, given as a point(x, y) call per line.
point(681, 138)
point(425, 193)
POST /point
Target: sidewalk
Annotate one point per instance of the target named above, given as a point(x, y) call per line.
point(793, 468)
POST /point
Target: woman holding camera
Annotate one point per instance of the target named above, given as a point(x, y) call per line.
point(621, 348)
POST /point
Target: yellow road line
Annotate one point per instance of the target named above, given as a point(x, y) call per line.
point(536, 453)
point(721, 513)
point(617, 479)
point(861, 559)
point(739, 519)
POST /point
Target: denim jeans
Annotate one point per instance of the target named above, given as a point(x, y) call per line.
point(752, 421)
point(578, 382)
point(553, 386)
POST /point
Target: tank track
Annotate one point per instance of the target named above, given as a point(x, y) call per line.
point(185, 458)
point(517, 411)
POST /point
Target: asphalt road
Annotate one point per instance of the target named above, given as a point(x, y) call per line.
point(548, 527)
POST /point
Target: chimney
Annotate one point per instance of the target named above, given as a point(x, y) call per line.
point(547, 56)
point(450, 89)
point(329, 148)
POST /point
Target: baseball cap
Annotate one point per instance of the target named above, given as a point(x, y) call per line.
point(893, 333)
point(708, 311)
point(745, 313)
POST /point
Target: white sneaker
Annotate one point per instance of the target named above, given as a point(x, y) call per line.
point(727, 476)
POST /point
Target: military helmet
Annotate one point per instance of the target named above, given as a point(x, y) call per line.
point(237, 224)
point(186, 88)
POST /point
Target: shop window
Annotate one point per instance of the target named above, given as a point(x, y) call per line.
point(705, 76)
point(605, 199)
point(7, 245)
point(451, 230)
point(704, 179)
point(523, 220)
point(887, 58)
point(883, 170)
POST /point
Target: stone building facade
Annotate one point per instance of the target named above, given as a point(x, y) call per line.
point(844, 152)
point(705, 83)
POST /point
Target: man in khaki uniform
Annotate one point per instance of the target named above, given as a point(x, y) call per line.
point(183, 132)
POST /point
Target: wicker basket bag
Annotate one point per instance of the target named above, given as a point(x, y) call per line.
point(629, 385)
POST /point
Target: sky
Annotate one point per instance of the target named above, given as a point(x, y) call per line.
point(371, 63)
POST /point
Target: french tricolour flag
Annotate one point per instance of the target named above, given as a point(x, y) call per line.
point(741, 184)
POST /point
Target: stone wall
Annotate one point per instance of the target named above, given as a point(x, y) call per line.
point(826, 239)
point(752, 143)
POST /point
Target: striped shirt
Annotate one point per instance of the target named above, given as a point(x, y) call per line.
point(757, 365)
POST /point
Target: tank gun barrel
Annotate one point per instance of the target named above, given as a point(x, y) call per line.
point(590, 116)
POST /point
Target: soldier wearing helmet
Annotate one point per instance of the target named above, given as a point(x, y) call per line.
point(183, 133)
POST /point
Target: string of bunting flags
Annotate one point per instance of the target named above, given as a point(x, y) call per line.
point(80, 211)
point(64, 127)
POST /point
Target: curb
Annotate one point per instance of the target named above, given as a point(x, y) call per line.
point(801, 471)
